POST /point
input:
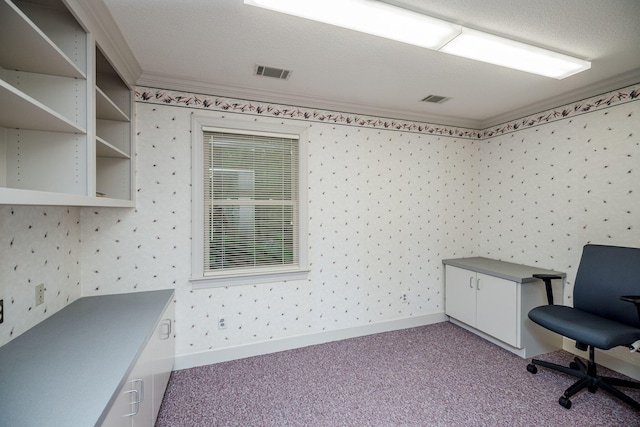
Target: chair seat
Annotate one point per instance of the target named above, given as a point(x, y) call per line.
point(584, 327)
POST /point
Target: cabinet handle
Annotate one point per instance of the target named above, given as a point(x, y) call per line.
point(471, 282)
point(136, 402)
point(165, 335)
point(141, 393)
point(478, 284)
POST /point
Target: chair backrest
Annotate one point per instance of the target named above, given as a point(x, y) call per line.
point(605, 273)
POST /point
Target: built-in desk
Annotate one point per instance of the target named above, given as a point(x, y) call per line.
point(70, 369)
point(492, 299)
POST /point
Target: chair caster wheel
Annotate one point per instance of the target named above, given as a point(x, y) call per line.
point(564, 402)
point(532, 368)
point(574, 366)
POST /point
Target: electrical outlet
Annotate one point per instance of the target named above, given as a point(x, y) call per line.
point(40, 294)
point(222, 322)
point(1, 310)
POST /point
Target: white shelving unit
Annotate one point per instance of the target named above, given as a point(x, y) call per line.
point(65, 113)
point(113, 131)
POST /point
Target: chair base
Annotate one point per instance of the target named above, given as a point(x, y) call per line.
point(588, 378)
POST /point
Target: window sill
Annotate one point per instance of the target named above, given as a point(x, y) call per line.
point(220, 280)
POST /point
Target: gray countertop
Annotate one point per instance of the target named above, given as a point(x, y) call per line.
point(67, 370)
point(506, 270)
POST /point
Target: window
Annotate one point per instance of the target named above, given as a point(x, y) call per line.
point(247, 205)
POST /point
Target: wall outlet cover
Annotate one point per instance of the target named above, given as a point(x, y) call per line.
point(40, 294)
point(222, 322)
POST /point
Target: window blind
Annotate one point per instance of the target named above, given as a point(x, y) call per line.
point(250, 200)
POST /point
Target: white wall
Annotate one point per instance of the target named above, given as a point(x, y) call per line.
point(546, 191)
point(37, 245)
point(388, 200)
point(375, 232)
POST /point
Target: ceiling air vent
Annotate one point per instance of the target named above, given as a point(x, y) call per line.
point(435, 99)
point(278, 73)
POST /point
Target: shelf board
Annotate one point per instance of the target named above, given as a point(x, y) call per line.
point(20, 111)
point(107, 110)
point(35, 53)
point(105, 149)
point(116, 90)
point(12, 196)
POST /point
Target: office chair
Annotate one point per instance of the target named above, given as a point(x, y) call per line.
point(605, 314)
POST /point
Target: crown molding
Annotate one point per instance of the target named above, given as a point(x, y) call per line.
point(203, 101)
point(603, 86)
point(154, 95)
point(180, 84)
point(99, 22)
point(173, 91)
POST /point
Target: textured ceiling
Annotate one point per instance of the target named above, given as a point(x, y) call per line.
point(213, 46)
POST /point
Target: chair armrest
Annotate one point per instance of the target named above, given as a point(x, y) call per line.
point(634, 299)
point(546, 278)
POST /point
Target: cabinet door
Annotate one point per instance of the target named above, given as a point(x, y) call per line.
point(163, 358)
point(497, 308)
point(118, 415)
point(460, 294)
point(133, 406)
point(143, 382)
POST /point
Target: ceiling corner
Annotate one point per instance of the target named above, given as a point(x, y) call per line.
point(598, 88)
point(108, 36)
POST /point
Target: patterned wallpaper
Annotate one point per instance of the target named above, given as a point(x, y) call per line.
point(543, 193)
point(370, 233)
point(388, 200)
point(37, 245)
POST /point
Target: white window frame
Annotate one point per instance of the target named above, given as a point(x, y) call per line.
point(199, 279)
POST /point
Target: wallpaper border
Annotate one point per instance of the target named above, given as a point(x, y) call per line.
point(216, 103)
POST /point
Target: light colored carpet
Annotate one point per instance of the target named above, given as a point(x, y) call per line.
point(436, 375)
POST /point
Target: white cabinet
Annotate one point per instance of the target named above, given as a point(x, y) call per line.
point(95, 362)
point(133, 406)
point(460, 294)
point(56, 89)
point(139, 401)
point(162, 361)
point(482, 301)
point(492, 298)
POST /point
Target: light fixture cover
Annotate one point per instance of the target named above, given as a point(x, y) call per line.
point(371, 17)
point(496, 50)
point(385, 20)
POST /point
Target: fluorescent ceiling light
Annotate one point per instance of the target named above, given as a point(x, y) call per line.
point(384, 20)
point(496, 50)
point(371, 17)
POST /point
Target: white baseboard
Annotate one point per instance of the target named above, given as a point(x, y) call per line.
point(192, 360)
point(532, 346)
